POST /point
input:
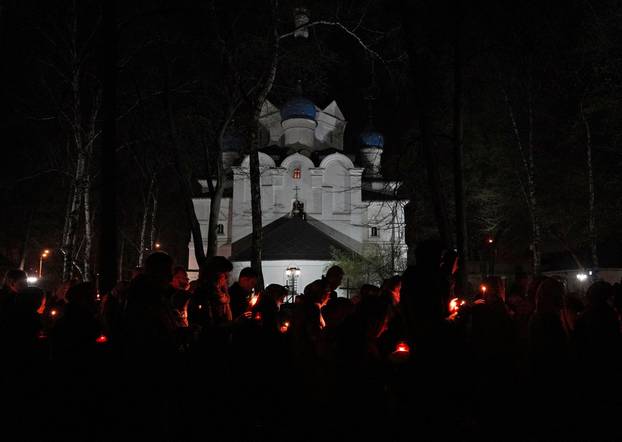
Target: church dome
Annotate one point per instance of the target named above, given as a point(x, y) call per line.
point(372, 138)
point(298, 107)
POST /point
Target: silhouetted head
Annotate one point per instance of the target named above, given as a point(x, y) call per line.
point(159, 268)
point(247, 279)
point(317, 293)
point(550, 296)
point(392, 287)
point(368, 290)
point(83, 295)
point(334, 276)
point(31, 299)
point(373, 311)
point(180, 278)
point(275, 292)
point(599, 293)
point(429, 253)
point(15, 280)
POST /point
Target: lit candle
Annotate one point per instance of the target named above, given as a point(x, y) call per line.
point(102, 339)
point(53, 312)
point(402, 347)
point(284, 327)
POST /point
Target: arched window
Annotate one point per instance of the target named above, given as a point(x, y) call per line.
point(374, 231)
point(220, 229)
point(297, 173)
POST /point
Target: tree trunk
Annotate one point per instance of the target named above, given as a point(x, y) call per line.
point(154, 217)
point(143, 233)
point(215, 202)
point(88, 231)
point(183, 173)
point(527, 159)
point(22, 259)
point(419, 62)
point(458, 139)
point(255, 172)
point(592, 193)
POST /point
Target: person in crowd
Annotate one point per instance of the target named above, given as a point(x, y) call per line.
point(333, 279)
point(267, 308)
point(548, 355)
point(241, 291)
point(180, 279)
point(492, 346)
point(210, 303)
point(597, 329)
point(22, 328)
point(396, 328)
point(360, 362)
point(74, 335)
point(391, 288)
point(369, 291)
point(14, 281)
point(149, 321)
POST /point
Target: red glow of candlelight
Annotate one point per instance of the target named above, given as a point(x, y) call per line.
point(258, 316)
point(284, 327)
point(53, 312)
point(455, 304)
point(253, 300)
point(402, 347)
point(102, 339)
point(483, 288)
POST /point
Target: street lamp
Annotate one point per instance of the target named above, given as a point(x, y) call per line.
point(44, 255)
point(292, 273)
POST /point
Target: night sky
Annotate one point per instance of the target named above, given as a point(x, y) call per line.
point(558, 64)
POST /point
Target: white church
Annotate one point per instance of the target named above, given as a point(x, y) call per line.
point(316, 200)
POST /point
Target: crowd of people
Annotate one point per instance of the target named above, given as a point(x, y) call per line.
point(165, 358)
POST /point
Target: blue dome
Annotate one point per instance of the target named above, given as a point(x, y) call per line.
point(298, 107)
point(372, 138)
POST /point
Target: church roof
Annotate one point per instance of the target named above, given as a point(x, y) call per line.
point(298, 107)
point(289, 238)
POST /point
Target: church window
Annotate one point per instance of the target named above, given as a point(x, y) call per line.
point(374, 232)
point(220, 229)
point(297, 174)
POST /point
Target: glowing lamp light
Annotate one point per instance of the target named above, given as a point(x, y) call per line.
point(53, 312)
point(483, 289)
point(101, 339)
point(490, 240)
point(158, 245)
point(31, 279)
point(581, 277)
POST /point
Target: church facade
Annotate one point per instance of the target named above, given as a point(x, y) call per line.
point(317, 202)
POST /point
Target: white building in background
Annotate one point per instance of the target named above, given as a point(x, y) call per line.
point(315, 199)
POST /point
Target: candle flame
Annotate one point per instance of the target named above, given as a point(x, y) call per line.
point(53, 312)
point(402, 347)
point(102, 339)
point(455, 304)
point(284, 327)
point(253, 300)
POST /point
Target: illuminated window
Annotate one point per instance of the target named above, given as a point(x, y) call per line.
point(220, 229)
point(297, 174)
point(374, 231)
